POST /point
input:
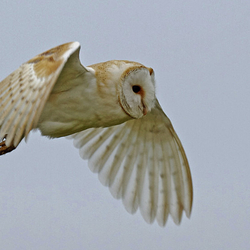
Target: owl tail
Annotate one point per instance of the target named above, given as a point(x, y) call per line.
point(3, 148)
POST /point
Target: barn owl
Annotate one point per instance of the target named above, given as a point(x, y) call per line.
point(110, 111)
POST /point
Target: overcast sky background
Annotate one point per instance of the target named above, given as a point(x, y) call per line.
point(200, 52)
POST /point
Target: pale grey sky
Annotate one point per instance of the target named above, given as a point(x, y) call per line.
point(200, 52)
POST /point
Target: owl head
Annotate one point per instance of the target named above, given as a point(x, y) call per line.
point(132, 82)
point(137, 90)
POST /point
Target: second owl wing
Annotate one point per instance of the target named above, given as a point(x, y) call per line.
point(24, 93)
point(143, 162)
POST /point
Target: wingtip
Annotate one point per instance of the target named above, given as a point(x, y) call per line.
point(188, 204)
point(75, 44)
point(188, 213)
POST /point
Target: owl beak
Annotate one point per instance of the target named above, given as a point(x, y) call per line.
point(145, 109)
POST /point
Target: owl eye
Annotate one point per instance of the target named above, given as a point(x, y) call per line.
point(136, 88)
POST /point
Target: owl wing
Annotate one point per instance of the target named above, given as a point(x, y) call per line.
point(143, 162)
point(24, 93)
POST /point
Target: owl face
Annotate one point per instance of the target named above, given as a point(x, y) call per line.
point(137, 91)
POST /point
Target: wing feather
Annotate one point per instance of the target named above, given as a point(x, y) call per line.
point(164, 183)
point(133, 194)
point(143, 162)
point(120, 155)
point(24, 93)
point(107, 155)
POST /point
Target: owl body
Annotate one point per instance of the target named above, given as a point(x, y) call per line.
point(111, 112)
point(81, 101)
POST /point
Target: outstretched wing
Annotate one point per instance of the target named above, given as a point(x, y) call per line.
point(24, 93)
point(143, 162)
